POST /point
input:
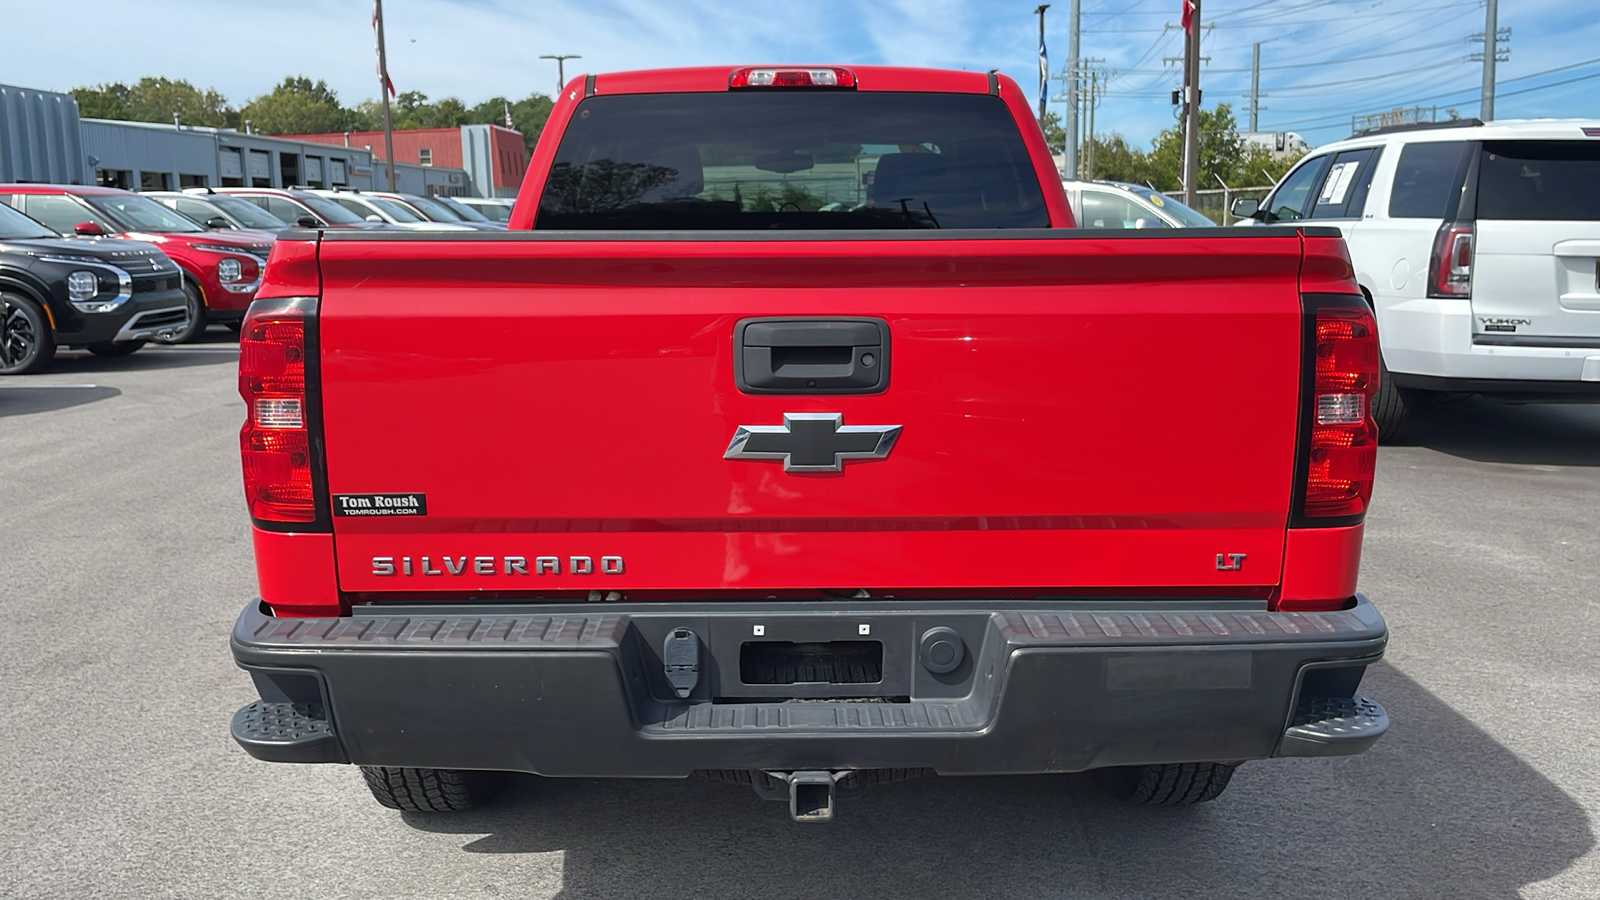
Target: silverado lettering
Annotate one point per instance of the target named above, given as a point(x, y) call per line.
point(1092, 432)
point(512, 565)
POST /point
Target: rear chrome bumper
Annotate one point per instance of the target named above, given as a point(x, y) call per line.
point(583, 690)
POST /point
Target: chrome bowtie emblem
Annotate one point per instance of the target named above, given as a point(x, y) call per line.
point(812, 442)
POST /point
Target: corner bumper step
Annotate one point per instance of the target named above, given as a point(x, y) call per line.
point(1334, 726)
point(286, 732)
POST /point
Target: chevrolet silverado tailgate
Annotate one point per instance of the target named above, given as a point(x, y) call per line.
point(545, 412)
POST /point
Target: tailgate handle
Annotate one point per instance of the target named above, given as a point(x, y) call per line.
point(811, 356)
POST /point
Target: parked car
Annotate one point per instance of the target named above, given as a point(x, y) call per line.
point(1118, 204)
point(873, 499)
point(381, 210)
point(496, 209)
point(300, 207)
point(1478, 247)
point(222, 269)
point(467, 213)
point(433, 210)
point(219, 211)
point(103, 295)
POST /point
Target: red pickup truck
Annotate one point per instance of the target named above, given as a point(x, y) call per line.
point(793, 436)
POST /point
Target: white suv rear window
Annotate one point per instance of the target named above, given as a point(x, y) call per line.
point(1540, 181)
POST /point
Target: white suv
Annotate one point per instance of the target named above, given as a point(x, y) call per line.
point(1478, 247)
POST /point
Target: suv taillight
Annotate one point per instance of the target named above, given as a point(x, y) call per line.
point(275, 443)
point(1450, 269)
point(1338, 438)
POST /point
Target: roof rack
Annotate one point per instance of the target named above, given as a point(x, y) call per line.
point(1419, 126)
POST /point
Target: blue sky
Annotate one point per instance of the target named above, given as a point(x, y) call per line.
point(1322, 60)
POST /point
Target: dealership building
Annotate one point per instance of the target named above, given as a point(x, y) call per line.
point(494, 156)
point(42, 139)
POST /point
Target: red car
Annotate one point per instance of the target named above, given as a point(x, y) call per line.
point(728, 460)
point(221, 270)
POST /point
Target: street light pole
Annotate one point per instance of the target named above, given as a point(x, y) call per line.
point(561, 68)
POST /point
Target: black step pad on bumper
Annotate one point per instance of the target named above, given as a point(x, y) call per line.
point(1336, 726)
point(576, 691)
point(286, 732)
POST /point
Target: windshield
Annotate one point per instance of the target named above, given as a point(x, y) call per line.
point(811, 159)
point(1551, 181)
point(494, 212)
point(462, 210)
point(134, 213)
point(438, 212)
point(248, 214)
point(1186, 216)
point(331, 212)
point(396, 210)
point(16, 226)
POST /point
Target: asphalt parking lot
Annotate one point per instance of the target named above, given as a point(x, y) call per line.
point(125, 557)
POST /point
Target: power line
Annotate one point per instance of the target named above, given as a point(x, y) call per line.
point(1529, 90)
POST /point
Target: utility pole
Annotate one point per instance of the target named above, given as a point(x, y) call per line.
point(1044, 62)
point(1491, 52)
point(1094, 96)
point(1255, 86)
point(561, 69)
point(1191, 99)
point(384, 86)
point(1069, 156)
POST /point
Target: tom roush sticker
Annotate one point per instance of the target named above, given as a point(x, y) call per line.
point(380, 504)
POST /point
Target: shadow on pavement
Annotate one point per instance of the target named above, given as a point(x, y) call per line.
point(24, 400)
point(74, 362)
point(1437, 809)
point(1485, 431)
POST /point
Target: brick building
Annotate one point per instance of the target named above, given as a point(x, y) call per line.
point(494, 156)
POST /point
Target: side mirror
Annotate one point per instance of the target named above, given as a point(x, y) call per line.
point(88, 229)
point(374, 217)
point(308, 222)
point(1245, 207)
point(216, 222)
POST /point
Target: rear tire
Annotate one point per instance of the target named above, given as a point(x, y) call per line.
point(27, 344)
point(427, 790)
point(196, 305)
point(112, 350)
point(1391, 406)
point(1171, 784)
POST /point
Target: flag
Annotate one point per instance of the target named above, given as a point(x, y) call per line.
point(1044, 71)
point(377, 25)
point(508, 114)
point(1188, 16)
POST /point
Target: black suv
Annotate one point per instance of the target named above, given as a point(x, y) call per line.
point(103, 294)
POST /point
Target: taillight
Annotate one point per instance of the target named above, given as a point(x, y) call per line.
point(1450, 269)
point(1338, 437)
point(275, 443)
point(793, 77)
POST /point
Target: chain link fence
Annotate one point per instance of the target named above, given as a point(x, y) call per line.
point(1215, 202)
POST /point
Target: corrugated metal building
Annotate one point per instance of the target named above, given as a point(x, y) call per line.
point(43, 140)
point(39, 139)
point(139, 156)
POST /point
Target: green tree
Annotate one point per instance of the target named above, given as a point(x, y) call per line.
point(155, 99)
point(528, 115)
point(103, 101)
point(297, 106)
